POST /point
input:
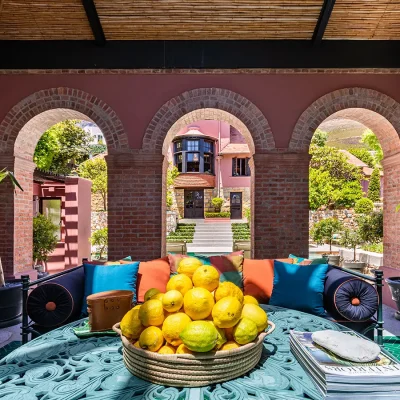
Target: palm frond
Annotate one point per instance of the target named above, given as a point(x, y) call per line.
point(4, 173)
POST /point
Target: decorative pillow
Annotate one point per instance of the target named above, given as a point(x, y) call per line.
point(300, 260)
point(125, 260)
point(100, 278)
point(299, 288)
point(258, 277)
point(152, 274)
point(318, 261)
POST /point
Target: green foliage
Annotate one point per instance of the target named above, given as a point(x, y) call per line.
point(334, 182)
point(319, 139)
point(247, 214)
point(183, 233)
point(324, 230)
point(374, 187)
point(99, 239)
point(44, 238)
point(241, 231)
point(95, 149)
point(371, 227)
point(95, 169)
point(217, 203)
point(222, 214)
point(62, 147)
point(364, 206)
point(372, 142)
point(374, 247)
point(351, 239)
point(172, 173)
point(4, 173)
point(363, 155)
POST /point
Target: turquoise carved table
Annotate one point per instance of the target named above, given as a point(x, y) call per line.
point(60, 366)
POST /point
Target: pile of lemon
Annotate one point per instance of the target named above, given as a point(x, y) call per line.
point(197, 313)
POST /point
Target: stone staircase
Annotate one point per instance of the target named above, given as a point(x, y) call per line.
point(212, 238)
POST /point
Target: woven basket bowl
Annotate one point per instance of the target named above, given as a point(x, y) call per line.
point(188, 370)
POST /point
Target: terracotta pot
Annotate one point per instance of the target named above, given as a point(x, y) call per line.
point(394, 286)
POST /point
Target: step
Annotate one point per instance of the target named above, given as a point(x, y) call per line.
point(213, 234)
point(206, 242)
point(213, 228)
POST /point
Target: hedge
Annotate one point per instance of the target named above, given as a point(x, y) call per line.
point(224, 214)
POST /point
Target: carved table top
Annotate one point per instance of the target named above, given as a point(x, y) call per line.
point(58, 365)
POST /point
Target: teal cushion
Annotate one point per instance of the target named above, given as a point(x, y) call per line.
point(299, 287)
point(298, 260)
point(318, 261)
point(100, 278)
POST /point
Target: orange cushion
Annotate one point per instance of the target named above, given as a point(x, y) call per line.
point(152, 274)
point(258, 278)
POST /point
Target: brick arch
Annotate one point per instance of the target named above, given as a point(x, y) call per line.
point(232, 108)
point(27, 120)
point(373, 109)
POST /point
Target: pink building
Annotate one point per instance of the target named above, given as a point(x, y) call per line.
point(213, 160)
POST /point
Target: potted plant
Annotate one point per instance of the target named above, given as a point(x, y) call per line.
point(325, 231)
point(10, 290)
point(99, 239)
point(351, 239)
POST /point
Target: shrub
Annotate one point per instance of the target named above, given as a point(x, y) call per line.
point(324, 230)
point(374, 187)
point(44, 238)
point(371, 227)
point(99, 239)
point(223, 214)
point(364, 206)
point(351, 239)
point(217, 203)
point(374, 247)
point(247, 214)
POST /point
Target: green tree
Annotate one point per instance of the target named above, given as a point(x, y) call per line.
point(172, 173)
point(374, 187)
point(44, 238)
point(62, 147)
point(99, 239)
point(319, 139)
point(96, 149)
point(371, 227)
point(364, 206)
point(351, 238)
point(323, 231)
point(364, 155)
point(372, 142)
point(95, 169)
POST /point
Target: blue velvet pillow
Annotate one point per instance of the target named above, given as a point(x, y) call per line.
point(299, 287)
point(100, 278)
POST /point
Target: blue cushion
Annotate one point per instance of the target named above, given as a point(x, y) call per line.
point(299, 287)
point(100, 278)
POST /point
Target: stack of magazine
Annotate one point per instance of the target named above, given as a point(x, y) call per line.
point(339, 379)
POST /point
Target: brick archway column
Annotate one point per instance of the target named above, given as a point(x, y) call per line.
point(280, 214)
point(391, 218)
point(135, 205)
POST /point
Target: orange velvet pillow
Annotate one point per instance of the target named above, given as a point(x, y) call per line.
point(258, 278)
point(152, 274)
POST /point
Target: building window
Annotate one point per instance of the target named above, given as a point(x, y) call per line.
point(240, 167)
point(208, 147)
point(193, 145)
point(192, 162)
point(51, 208)
point(208, 163)
point(178, 146)
point(178, 162)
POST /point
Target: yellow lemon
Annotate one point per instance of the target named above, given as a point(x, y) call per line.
point(188, 265)
point(226, 289)
point(226, 312)
point(181, 282)
point(136, 344)
point(151, 313)
point(229, 345)
point(229, 333)
point(206, 277)
point(198, 303)
point(151, 339)
point(182, 349)
point(257, 315)
point(167, 349)
point(245, 331)
point(173, 326)
point(172, 301)
point(158, 296)
point(221, 336)
point(131, 327)
point(250, 300)
point(137, 307)
point(150, 293)
point(199, 336)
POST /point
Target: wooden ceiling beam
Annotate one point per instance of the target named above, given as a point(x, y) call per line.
point(94, 21)
point(322, 22)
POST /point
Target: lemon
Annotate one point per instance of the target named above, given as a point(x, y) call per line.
point(150, 293)
point(250, 300)
point(137, 307)
point(151, 313)
point(206, 277)
point(226, 289)
point(158, 296)
point(182, 283)
point(199, 336)
point(257, 315)
point(167, 349)
point(173, 326)
point(182, 349)
point(188, 265)
point(221, 336)
point(198, 303)
point(136, 344)
point(131, 327)
point(229, 333)
point(226, 312)
point(229, 345)
point(245, 331)
point(151, 339)
point(172, 301)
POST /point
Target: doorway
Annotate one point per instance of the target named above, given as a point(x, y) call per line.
point(236, 205)
point(194, 203)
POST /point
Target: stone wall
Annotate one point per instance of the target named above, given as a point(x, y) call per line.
point(172, 221)
point(346, 217)
point(99, 220)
